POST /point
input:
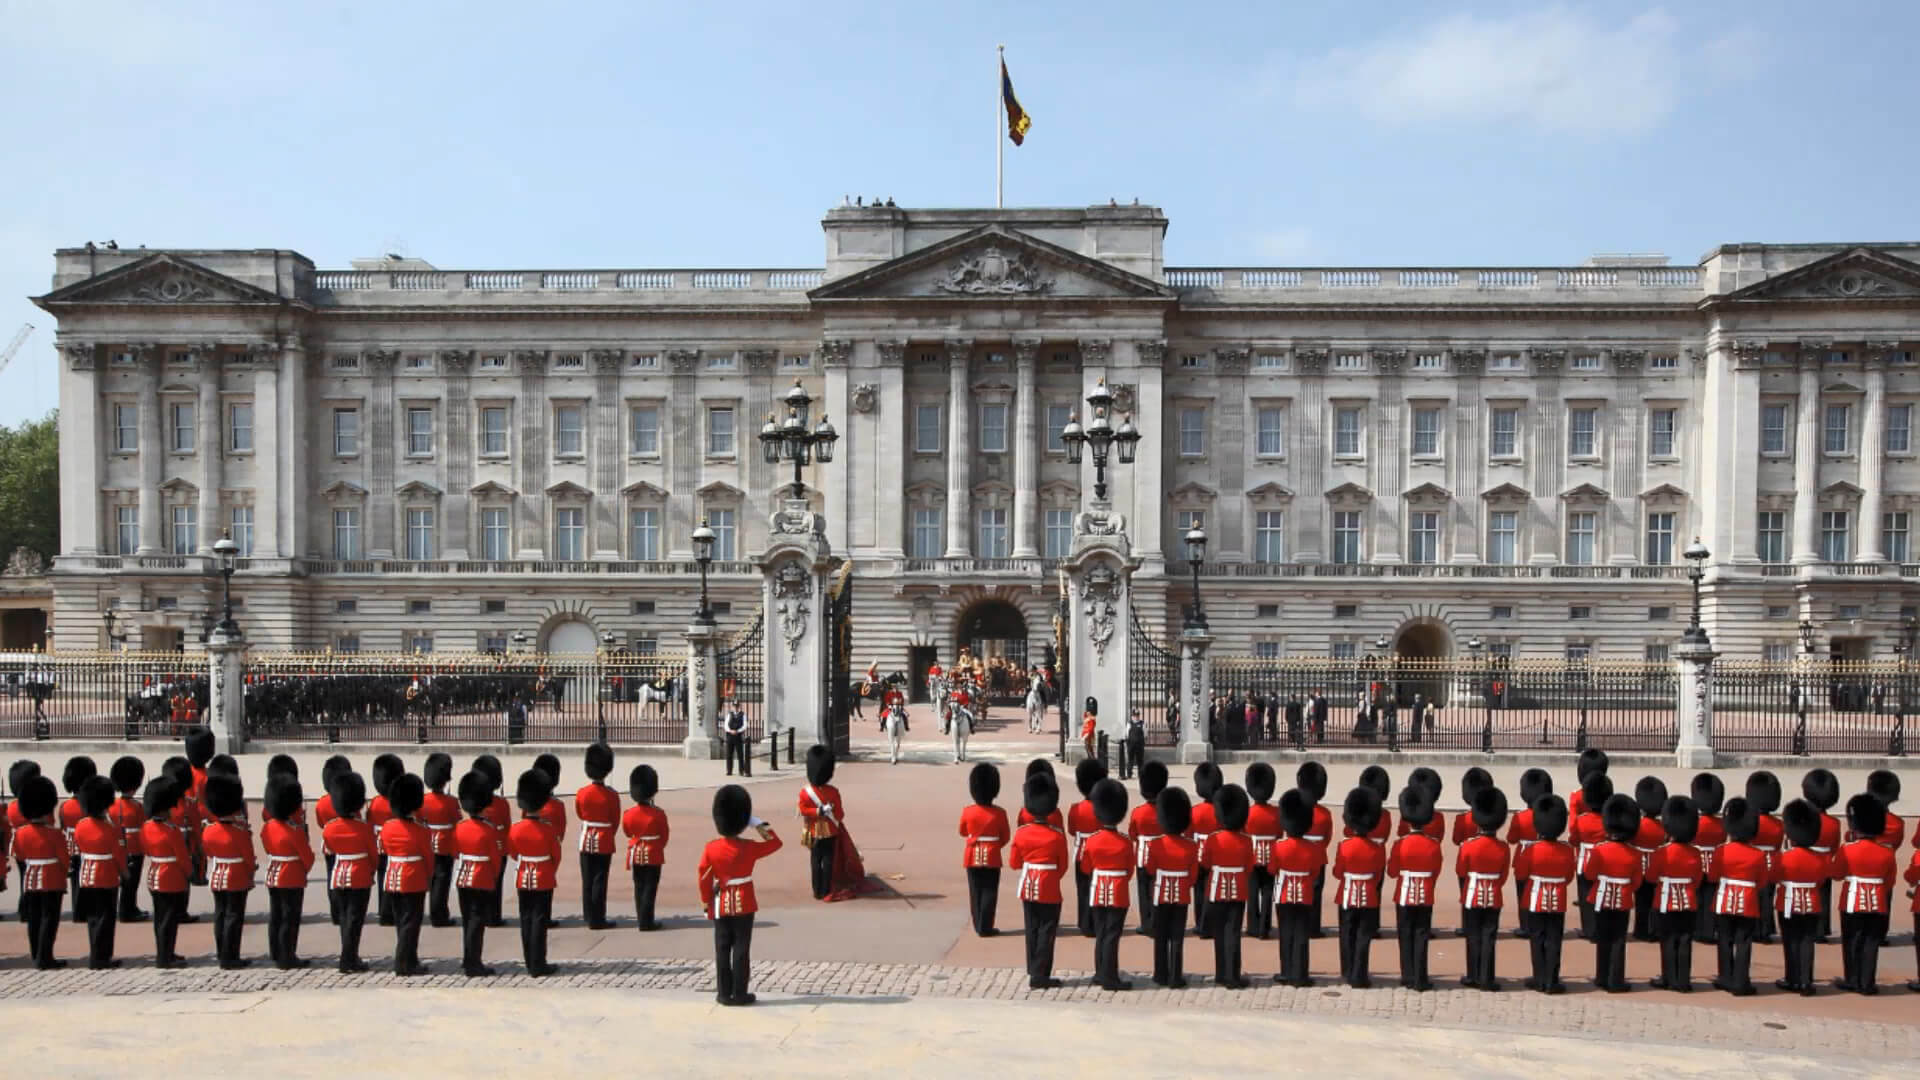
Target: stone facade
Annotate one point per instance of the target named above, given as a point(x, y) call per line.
point(426, 458)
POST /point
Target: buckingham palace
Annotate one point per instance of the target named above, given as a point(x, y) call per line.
point(417, 458)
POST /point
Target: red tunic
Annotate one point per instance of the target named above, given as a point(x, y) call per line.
point(477, 855)
point(1865, 870)
point(725, 874)
point(1039, 852)
point(821, 812)
point(1576, 805)
point(1520, 832)
point(1771, 835)
point(1483, 862)
point(195, 800)
point(1741, 870)
point(15, 819)
point(1143, 825)
point(43, 848)
point(1913, 875)
point(1171, 864)
point(1263, 828)
point(500, 816)
point(1675, 871)
point(289, 855)
point(1415, 861)
point(1228, 857)
point(1381, 833)
point(1055, 819)
point(985, 832)
point(351, 841)
point(533, 844)
point(439, 812)
point(409, 848)
point(646, 829)
point(379, 812)
point(1463, 827)
point(1829, 841)
point(323, 814)
point(168, 860)
point(1320, 834)
point(229, 848)
point(128, 815)
point(70, 816)
point(1588, 832)
point(598, 808)
point(1647, 840)
point(554, 813)
point(1434, 827)
point(1614, 868)
point(102, 852)
point(1711, 835)
point(1801, 873)
point(1081, 825)
point(1107, 856)
point(1296, 860)
point(1356, 871)
point(1892, 836)
point(1547, 868)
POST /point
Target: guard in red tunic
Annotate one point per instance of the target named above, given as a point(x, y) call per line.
point(1039, 852)
point(386, 769)
point(1171, 862)
point(1107, 859)
point(1311, 780)
point(1548, 867)
point(1741, 869)
point(1865, 870)
point(103, 861)
point(1375, 779)
point(1535, 784)
point(984, 832)
point(821, 815)
point(351, 841)
point(128, 816)
point(17, 774)
point(1763, 797)
point(168, 864)
point(1709, 794)
point(1414, 863)
point(1297, 864)
point(40, 846)
point(228, 844)
point(198, 746)
point(289, 859)
point(1081, 825)
point(1912, 878)
point(1591, 763)
point(1797, 893)
point(439, 812)
point(645, 826)
point(1589, 832)
point(323, 815)
point(1042, 767)
point(598, 808)
point(1614, 866)
point(409, 848)
point(1821, 788)
point(479, 858)
point(1206, 784)
point(500, 816)
point(1143, 826)
point(1472, 782)
point(1357, 869)
point(1483, 862)
point(1429, 781)
point(1650, 794)
point(536, 850)
point(1227, 858)
point(554, 813)
point(1263, 828)
point(1675, 872)
point(726, 889)
point(78, 771)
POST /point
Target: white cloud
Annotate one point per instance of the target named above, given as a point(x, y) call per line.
point(1552, 70)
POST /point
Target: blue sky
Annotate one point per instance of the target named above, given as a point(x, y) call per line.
point(520, 135)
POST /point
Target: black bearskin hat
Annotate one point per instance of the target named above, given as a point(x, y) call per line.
point(489, 766)
point(179, 770)
point(224, 797)
point(1206, 780)
point(36, 796)
point(1592, 763)
point(1620, 816)
point(1489, 809)
point(983, 783)
point(1260, 781)
point(1427, 780)
point(127, 772)
point(732, 809)
point(1088, 772)
point(19, 771)
point(1296, 813)
point(386, 769)
point(476, 793)
point(1312, 779)
point(1535, 784)
point(1595, 790)
point(1416, 806)
point(549, 764)
point(1093, 705)
point(1867, 816)
point(283, 796)
point(1821, 788)
point(349, 793)
point(283, 763)
point(95, 796)
point(599, 761)
point(1109, 800)
point(1362, 811)
point(1153, 780)
point(1041, 766)
point(161, 797)
point(533, 791)
point(437, 772)
point(78, 771)
point(1709, 794)
point(1884, 784)
point(643, 783)
point(223, 763)
point(1041, 798)
point(406, 795)
point(332, 767)
point(1549, 817)
point(1763, 792)
point(1801, 820)
point(1174, 810)
point(1375, 779)
point(1473, 782)
point(1741, 822)
point(819, 764)
point(1651, 794)
point(1680, 820)
point(1230, 806)
point(198, 744)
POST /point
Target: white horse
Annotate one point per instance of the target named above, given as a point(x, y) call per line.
point(895, 719)
point(962, 722)
point(665, 694)
point(941, 691)
point(1036, 707)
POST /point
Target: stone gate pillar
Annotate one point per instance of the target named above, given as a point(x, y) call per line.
point(1694, 663)
point(226, 689)
point(703, 741)
point(794, 569)
point(1196, 693)
point(1100, 582)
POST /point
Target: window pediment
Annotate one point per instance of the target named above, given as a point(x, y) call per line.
point(567, 490)
point(1428, 495)
point(418, 490)
point(1840, 494)
point(492, 489)
point(1507, 495)
point(1192, 493)
point(720, 489)
point(1349, 496)
point(641, 490)
point(1270, 494)
point(1663, 495)
point(179, 486)
point(341, 491)
point(1584, 495)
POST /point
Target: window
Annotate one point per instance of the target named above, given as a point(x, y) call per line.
point(1267, 611)
point(1660, 538)
point(1270, 361)
point(1429, 361)
point(1503, 439)
point(1266, 650)
point(1272, 434)
point(1834, 541)
point(1423, 536)
point(722, 524)
point(182, 426)
point(643, 431)
point(1839, 356)
point(493, 360)
point(419, 607)
point(347, 643)
point(1501, 611)
point(126, 428)
point(796, 360)
point(1580, 537)
point(420, 643)
point(993, 429)
point(1773, 429)
point(495, 539)
point(569, 435)
point(1269, 536)
point(493, 431)
point(346, 432)
point(1500, 650)
point(1772, 533)
point(578, 361)
point(1059, 533)
point(1663, 361)
point(1349, 361)
point(1580, 433)
point(240, 427)
point(1346, 611)
point(1346, 536)
point(1346, 432)
point(1193, 432)
point(1899, 429)
point(926, 429)
point(1776, 652)
point(1848, 611)
point(1836, 428)
point(1586, 362)
point(1186, 521)
point(1342, 650)
point(642, 607)
point(1658, 654)
point(993, 532)
point(645, 644)
point(493, 644)
point(1579, 653)
point(1503, 537)
point(1426, 432)
point(346, 607)
point(419, 534)
point(346, 362)
point(1779, 611)
point(996, 358)
point(1661, 424)
point(419, 432)
point(126, 530)
point(1893, 536)
point(570, 534)
point(186, 530)
point(1659, 614)
point(1193, 360)
point(644, 361)
point(722, 360)
point(1505, 361)
point(419, 362)
point(1579, 611)
point(240, 528)
point(926, 533)
point(720, 431)
point(643, 534)
point(1057, 417)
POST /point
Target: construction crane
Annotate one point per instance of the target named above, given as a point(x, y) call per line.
point(19, 339)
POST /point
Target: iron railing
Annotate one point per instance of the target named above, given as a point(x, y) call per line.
point(1153, 685)
point(1813, 707)
point(101, 695)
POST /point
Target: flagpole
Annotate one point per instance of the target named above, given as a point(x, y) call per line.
point(999, 144)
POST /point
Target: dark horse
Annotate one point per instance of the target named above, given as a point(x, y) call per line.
point(860, 688)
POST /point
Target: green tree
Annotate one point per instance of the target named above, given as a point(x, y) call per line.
point(30, 487)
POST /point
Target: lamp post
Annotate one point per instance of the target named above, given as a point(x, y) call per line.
point(1196, 554)
point(519, 640)
point(1101, 437)
point(703, 554)
point(790, 441)
point(1909, 640)
point(1802, 689)
point(1696, 556)
point(113, 639)
point(1474, 645)
point(228, 553)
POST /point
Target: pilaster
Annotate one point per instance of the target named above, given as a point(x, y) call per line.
point(263, 362)
point(795, 571)
point(211, 443)
point(1469, 454)
point(1806, 457)
point(889, 405)
point(1310, 435)
point(1548, 453)
point(382, 516)
point(81, 473)
point(455, 528)
point(703, 692)
point(226, 693)
point(1693, 662)
point(1149, 468)
point(1196, 690)
point(605, 466)
point(1627, 459)
point(1227, 450)
point(1026, 451)
point(1873, 448)
point(153, 446)
point(959, 451)
point(291, 416)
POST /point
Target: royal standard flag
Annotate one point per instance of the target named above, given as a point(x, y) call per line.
point(1017, 119)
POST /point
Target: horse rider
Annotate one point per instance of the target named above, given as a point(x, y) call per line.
point(891, 698)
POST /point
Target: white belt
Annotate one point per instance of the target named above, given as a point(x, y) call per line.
point(1822, 850)
point(1854, 884)
point(1738, 884)
point(1605, 880)
point(41, 862)
point(529, 858)
point(1160, 879)
point(226, 860)
point(731, 882)
point(163, 859)
point(404, 858)
point(439, 828)
point(1535, 887)
point(1475, 875)
point(986, 839)
point(1797, 889)
point(1676, 881)
point(88, 856)
point(655, 836)
point(1111, 873)
point(349, 858)
point(596, 824)
point(1403, 873)
point(466, 856)
point(1283, 872)
point(1314, 839)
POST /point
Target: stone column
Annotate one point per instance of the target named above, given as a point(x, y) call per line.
point(1627, 463)
point(264, 360)
point(1693, 663)
point(382, 514)
point(1547, 453)
point(212, 444)
point(959, 451)
point(153, 447)
point(1196, 690)
point(535, 452)
point(226, 690)
point(850, 510)
point(1099, 577)
point(1873, 448)
point(1310, 434)
point(292, 481)
point(1469, 455)
point(703, 692)
point(605, 468)
point(457, 450)
point(1149, 480)
point(1390, 462)
point(1026, 452)
point(1226, 446)
point(796, 569)
point(82, 476)
point(1806, 459)
point(890, 408)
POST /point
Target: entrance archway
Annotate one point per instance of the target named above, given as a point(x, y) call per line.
point(995, 632)
point(571, 637)
point(1421, 649)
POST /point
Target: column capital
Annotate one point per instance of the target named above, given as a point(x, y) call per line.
point(1627, 361)
point(605, 361)
point(758, 359)
point(1025, 350)
point(1468, 361)
point(532, 361)
point(1095, 352)
point(1232, 359)
point(1388, 361)
point(1749, 354)
point(265, 354)
point(893, 353)
point(1547, 361)
point(1310, 359)
point(1878, 353)
point(146, 355)
point(1813, 353)
point(683, 361)
point(1150, 352)
point(79, 354)
point(835, 352)
point(381, 361)
point(959, 350)
point(201, 354)
point(456, 361)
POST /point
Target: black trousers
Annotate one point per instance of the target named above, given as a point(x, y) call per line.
point(1108, 924)
point(1736, 951)
point(1704, 926)
point(99, 907)
point(732, 955)
point(1143, 899)
point(536, 907)
point(1586, 908)
point(439, 891)
point(353, 919)
point(820, 859)
point(738, 749)
point(983, 896)
point(1316, 920)
point(283, 924)
point(1610, 948)
point(1482, 927)
point(1169, 943)
point(646, 886)
point(1260, 904)
point(1643, 913)
point(1676, 948)
point(1797, 934)
point(1415, 927)
point(408, 908)
point(333, 894)
point(1227, 916)
point(593, 887)
point(41, 911)
point(475, 905)
point(168, 907)
point(1042, 927)
point(1201, 924)
point(1545, 932)
point(130, 888)
point(499, 915)
point(73, 888)
point(1765, 932)
point(1826, 911)
point(229, 915)
point(1358, 927)
point(1860, 949)
point(1082, 895)
point(385, 902)
point(1295, 924)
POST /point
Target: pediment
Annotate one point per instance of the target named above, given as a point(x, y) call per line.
point(1859, 273)
point(179, 484)
point(1584, 493)
point(1663, 493)
point(1507, 493)
point(418, 489)
point(1270, 492)
point(1350, 492)
point(640, 489)
point(158, 279)
point(567, 489)
point(1193, 491)
point(1059, 488)
point(342, 491)
point(1840, 489)
point(1841, 386)
point(492, 489)
point(993, 263)
point(720, 489)
point(1427, 493)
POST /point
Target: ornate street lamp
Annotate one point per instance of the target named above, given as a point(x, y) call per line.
point(1696, 556)
point(520, 641)
point(1474, 645)
point(703, 554)
point(228, 553)
point(790, 441)
point(1909, 640)
point(1101, 437)
point(1196, 554)
point(1806, 637)
point(113, 639)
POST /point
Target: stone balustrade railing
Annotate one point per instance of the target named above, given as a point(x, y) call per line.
point(345, 286)
point(1674, 280)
